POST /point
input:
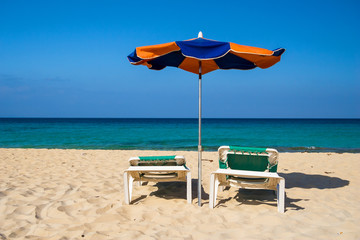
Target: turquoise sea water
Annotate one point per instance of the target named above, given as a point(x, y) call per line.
point(340, 135)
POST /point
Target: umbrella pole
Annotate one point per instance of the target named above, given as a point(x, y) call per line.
point(199, 146)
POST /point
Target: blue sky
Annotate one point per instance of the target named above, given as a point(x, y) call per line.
point(68, 59)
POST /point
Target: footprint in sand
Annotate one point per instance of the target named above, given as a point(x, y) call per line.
point(70, 208)
point(25, 210)
point(39, 211)
point(104, 209)
point(2, 194)
point(20, 232)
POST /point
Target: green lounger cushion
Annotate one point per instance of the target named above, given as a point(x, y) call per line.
point(172, 160)
point(154, 158)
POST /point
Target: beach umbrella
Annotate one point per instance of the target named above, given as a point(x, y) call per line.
point(200, 56)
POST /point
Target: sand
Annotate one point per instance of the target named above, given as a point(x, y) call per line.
point(78, 194)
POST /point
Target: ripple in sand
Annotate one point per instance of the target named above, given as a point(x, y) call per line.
point(25, 210)
point(20, 232)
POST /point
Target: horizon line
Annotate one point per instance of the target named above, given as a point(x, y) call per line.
point(181, 118)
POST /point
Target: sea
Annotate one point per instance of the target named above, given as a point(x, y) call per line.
point(286, 135)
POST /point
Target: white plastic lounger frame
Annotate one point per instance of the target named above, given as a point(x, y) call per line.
point(218, 176)
point(273, 182)
point(156, 174)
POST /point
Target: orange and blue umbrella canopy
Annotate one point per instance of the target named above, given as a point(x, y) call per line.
point(212, 54)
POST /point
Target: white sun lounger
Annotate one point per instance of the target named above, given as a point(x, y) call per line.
point(156, 169)
point(257, 158)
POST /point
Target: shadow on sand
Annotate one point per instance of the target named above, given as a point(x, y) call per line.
point(261, 196)
point(292, 180)
point(177, 190)
point(172, 190)
point(302, 180)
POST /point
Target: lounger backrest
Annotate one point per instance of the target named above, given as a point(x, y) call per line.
point(251, 159)
point(157, 161)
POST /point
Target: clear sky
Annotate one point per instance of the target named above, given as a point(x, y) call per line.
point(68, 59)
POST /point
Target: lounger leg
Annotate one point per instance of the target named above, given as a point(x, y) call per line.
point(126, 187)
point(188, 187)
point(211, 192)
point(131, 181)
point(214, 185)
point(281, 196)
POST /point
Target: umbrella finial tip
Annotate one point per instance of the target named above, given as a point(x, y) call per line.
point(200, 35)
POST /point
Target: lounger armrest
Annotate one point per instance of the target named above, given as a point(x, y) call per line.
point(243, 173)
point(222, 151)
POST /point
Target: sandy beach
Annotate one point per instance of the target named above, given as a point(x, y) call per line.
point(78, 194)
